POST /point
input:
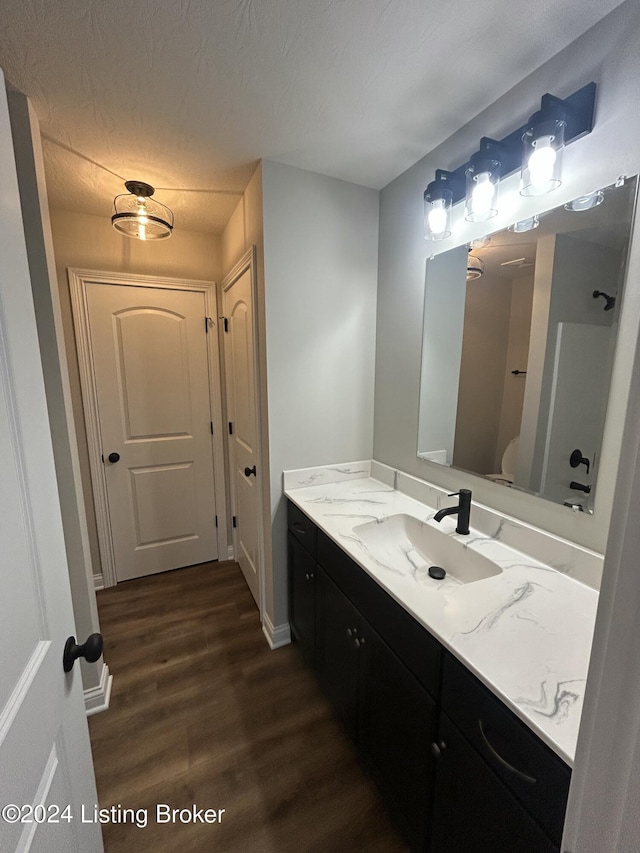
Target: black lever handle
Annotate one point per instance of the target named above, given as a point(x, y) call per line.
point(579, 487)
point(249, 471)
point(90, 651)
point(577, 458)
point(114, 457)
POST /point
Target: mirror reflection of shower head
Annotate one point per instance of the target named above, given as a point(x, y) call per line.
point(610, 300)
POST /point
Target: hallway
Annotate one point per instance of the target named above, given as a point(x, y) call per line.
point(203, 712)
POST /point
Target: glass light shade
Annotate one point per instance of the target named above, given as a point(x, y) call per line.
point(475, 267)
point(542, 146)
point(138, 215)
point(585, 202)
point(524, 225)
point(483, 179)
point(437, 211)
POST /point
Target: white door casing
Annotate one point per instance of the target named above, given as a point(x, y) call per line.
point(242, 384)
point(144, 343)
point(45, 755)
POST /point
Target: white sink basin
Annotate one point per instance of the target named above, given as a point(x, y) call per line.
point(405, 545)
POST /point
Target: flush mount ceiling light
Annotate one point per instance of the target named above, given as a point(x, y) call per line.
point(138, 215)
point(585, 202)
point(475, 267)
point(534, 149)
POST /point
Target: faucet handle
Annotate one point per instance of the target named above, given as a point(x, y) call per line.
point(453, 494)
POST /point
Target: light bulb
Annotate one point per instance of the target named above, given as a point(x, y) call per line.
point(142, 231)
point(542, 161)
point(437, 218)
point(482, 195)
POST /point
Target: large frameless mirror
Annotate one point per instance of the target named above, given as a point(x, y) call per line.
point(519, 336)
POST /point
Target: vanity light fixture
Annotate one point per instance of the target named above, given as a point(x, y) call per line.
point(437, 210)
point(482, 182)
point(524, 225)
point(535, 149)
point(138, 215)
point(542, 146)
point(585, 202)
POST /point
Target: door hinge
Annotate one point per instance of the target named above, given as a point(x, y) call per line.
point(216, 521)
point(211, 425)
point(226, 323)
point(230, 428)
point(207, 320)
point(235, 521)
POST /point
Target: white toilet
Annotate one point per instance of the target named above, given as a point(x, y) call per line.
point(509, 461)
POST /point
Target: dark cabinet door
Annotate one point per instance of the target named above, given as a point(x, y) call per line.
point(338, 645)
point(473, 811)
point(396, 725)
point(302, 598)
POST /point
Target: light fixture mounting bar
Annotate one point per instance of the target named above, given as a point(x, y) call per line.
point(578, 111)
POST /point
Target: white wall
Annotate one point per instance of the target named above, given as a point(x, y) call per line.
point(90, 242)
point(320, 254)
point(610, 55)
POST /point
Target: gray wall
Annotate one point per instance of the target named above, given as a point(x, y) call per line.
point(444, 307)
point(484, 356)
point(610, 55)
point(320, 251)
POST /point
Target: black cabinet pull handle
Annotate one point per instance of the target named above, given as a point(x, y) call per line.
point(298, 527)
point(249, 471)
point(114, 457)
point(90, 651)
point(524, 776)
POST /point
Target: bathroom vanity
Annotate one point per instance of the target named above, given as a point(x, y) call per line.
point(463, 696)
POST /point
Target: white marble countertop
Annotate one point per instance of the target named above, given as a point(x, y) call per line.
point(525, 633)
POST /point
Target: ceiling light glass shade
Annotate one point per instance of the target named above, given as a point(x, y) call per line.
point(437, 211)
point(483, 179)
point(475, 267)
point(524, 225)
point(585, 202)
point(138, 215)
point(542, 146)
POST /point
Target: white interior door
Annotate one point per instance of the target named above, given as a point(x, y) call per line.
point(149, 351)
point(239, 350)
point(45, 756)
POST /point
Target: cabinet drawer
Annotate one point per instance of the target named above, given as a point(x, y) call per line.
point(302, 528)
point(413, 644)
point(519, 758)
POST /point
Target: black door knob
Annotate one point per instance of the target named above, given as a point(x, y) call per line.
point(90, 651)
point(249, 471)
point(114, 457)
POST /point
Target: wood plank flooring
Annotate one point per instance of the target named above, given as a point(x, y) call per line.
point(202, 711)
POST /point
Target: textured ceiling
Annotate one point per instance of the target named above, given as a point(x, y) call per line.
point(191, 93)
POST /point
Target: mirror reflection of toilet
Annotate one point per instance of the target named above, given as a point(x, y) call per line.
point(509, 460)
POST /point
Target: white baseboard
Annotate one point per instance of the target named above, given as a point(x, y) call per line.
point(276, 635)
point(98, 581)
point(96, 699)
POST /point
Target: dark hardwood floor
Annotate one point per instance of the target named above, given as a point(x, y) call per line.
point(202, 711)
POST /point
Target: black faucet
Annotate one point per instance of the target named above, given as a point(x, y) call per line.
point(463, 511)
